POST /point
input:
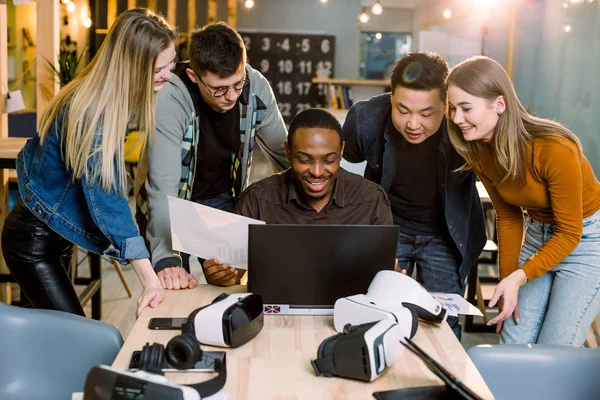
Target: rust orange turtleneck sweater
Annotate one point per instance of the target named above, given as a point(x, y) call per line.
point(560, 188)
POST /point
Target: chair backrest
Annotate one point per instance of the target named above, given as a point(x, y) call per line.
point(47, 354)
point(133, 147)
point(538, 371)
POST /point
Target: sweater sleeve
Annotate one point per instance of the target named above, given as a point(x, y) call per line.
point(173, 116)
point(509, 225)
point(559, 165)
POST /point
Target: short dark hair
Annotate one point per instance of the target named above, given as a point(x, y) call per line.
point(314, 118)
point(216, 48)
point(421, 71)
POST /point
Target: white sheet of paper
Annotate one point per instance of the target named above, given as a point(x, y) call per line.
point(15, 102)
point(456, 304)
point(210, 233)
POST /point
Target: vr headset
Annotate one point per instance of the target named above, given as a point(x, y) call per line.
point(229, 321)
point(361, 352)
point(391, 295)
point(107, 383)
point(183, 351)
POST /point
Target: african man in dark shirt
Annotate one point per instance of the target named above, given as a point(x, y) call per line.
point(315, 190)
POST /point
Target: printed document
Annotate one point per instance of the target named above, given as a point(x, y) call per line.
point(210, 233)
point(456, 304)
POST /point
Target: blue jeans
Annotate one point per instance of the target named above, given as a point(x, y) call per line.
point(223, 201)
point(560, 306)
point(437, 260)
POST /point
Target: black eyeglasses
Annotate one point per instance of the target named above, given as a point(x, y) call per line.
point(222, 91)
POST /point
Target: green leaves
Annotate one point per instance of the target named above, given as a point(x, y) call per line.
point(68, 64)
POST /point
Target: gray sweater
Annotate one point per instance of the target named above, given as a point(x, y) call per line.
point(167, 165)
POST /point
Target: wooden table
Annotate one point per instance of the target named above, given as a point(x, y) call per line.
point(276, 363)
point(9, 148)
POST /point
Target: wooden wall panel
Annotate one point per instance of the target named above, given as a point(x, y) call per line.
point(47, 48)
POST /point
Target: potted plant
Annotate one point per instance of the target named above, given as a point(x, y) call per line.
point(68, 62)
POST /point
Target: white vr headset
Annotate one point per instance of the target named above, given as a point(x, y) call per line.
point(373, 326)
point(229, 321)
point(104, 382)
point(391, 295)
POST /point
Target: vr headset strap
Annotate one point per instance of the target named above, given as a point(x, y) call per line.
point(323, 365)
point(211, 387)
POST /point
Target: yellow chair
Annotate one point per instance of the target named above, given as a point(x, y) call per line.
point(133, 150)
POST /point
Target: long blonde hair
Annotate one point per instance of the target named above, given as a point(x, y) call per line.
point(92, 112)
point(484, 78)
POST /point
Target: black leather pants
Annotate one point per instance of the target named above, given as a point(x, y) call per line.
point(39, 259)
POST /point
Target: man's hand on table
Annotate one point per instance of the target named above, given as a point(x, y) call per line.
point(176, 278)
point(220, 274)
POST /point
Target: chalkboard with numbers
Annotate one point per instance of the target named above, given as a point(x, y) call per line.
point(289, 62)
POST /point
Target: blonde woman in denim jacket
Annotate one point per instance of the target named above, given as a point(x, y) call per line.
point(71, 175)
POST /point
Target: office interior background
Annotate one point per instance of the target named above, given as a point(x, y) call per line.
point(550, 48)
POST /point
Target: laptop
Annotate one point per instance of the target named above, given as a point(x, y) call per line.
point(304, 269)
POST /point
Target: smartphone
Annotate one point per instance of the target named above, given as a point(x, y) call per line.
point(207, 364)
point(167, 323)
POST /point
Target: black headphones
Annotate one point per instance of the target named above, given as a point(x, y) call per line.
point(182, 352)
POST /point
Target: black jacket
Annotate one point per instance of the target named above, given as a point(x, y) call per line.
point(366, 132)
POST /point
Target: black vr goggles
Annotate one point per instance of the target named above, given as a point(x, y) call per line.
point(361, 352)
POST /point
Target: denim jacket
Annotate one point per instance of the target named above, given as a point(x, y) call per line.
point(366, 133)
point(79, 210)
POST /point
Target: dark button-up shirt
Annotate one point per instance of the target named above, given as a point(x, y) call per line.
point(355, 201)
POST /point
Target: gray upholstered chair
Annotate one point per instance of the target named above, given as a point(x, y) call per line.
point(538, 371)
point(47, 354)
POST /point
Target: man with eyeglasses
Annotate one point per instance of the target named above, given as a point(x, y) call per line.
point(209, 116)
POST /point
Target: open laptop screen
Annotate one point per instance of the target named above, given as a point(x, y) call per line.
point(311, 266)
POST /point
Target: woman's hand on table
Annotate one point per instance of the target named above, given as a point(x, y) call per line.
point(151, 297)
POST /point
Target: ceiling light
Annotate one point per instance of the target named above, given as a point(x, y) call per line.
point(567, 28)
point(71, 7)
point(377, 9)
point(447, 13)
point(249, 3)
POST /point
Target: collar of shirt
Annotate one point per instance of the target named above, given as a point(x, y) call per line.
point(337, 197)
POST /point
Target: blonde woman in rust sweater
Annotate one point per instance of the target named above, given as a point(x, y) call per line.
point(550, 272)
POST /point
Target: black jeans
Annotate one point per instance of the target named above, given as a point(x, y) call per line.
point(39, 259)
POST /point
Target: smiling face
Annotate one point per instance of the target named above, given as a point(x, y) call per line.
point(164, 66)
point(417, 114)
point(475, 116)
point(315, 157)
point(210, 83)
